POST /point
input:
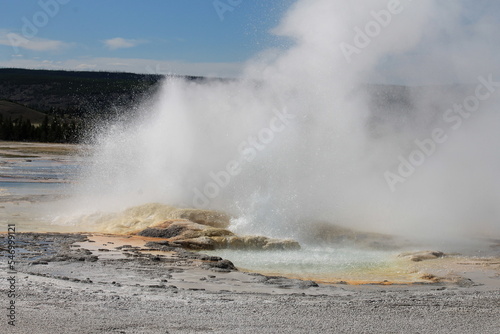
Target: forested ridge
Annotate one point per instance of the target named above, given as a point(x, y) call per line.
point(59, 106)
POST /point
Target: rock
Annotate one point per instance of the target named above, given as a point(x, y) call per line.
point(185, 254)
point(201, 243)
point(464, 282)
point(243, 242)
point(207, 232)
point(165, 246)
point(224, 264)
point(204, 217)
point(255, 243)
point(449, 279)
point(129, 221)
point(283, 282)
point(220, 266)
point(123, 247)
point(182, 229)
point(287, 244)
point(188, 234)
point(308, 284)
point(166, 229)
point(431, 277)
point(138, 218)
point(328, 233)
point(422, 255)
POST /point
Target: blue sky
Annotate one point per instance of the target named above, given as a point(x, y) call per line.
point(192, 37)
point(180, 36)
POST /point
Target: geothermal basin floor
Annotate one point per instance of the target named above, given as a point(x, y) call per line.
point(76, 283)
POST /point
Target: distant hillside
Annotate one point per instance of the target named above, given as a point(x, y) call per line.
point(73, 93)
point(73, 101)
point(15, 111)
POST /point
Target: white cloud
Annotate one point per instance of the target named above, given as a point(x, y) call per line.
point(34, 44)
point(121, 43)
point(82, 67)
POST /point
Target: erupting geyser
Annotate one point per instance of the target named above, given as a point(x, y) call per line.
point(309, 133)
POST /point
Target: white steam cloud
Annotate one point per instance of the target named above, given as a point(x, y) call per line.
point(307, 134)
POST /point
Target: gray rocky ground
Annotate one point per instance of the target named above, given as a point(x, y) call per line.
point(101, 284)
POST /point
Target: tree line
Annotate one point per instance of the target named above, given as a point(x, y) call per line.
point(54, 130)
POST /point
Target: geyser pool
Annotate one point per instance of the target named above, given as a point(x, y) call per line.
point(325, 264)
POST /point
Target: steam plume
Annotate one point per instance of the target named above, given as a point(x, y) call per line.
point(309, 134)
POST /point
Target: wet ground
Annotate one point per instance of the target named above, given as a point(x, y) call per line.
point(92, 283)
point(33, 175)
